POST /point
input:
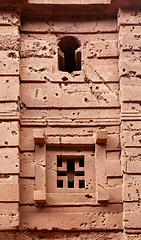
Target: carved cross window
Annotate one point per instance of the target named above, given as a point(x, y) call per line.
point(70, 172)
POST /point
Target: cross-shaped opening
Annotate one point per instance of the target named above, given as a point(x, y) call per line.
point(72, 169)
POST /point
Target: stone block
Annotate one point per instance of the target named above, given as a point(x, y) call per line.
point(40, 196)
point(9, 88)
point(9, 62)
point(68, 2)
point(33, 69)
point(9, 191)
point(131, 94)
point(95, 64)
point(113, 182)
point(134, 167)
point(40, 166)
point(62, 235)
point(38, 48)
point(72, 141)
point(113, 156)
point(44, 25)
point(103, 196)
point(8, 109)
point(130, 41)
point(129, 17)
point(129, 108)
point(132, 179)
point(9, 18)
point(27, 187)
point(26, 139)
point(132, 220)
point(98, 217)
point(70, 96)
point(113, 168)
point(9, 161)
point(101, 137)
point(55, 141)
point(88, 26)
point(9, 213)
point(107, 73)
point(115, 194)
point(39, 136)
point(113, 142)
point(9, 38)
point(131, 138)
point(27, 166)
point(9, 179)
point(132, 160)
point(100, 170)
point(9, 132)
point(57, 199)
point(129, 81)
point(132, 237)
point(101, 49)
point(131, 29)
point(132, 206)
point(129, 63)
point(133, 152)
point(131, 192)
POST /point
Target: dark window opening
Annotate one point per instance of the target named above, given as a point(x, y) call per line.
point(60, 183)
point(60, 173)
point(81, 162)
point(70, 165)
point(81, 184)
point(69, 54)
point(70, 184)
point(59, 162)
point(80, 174)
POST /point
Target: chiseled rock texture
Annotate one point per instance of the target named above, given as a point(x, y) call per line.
point(60, 235)
point(70, 145)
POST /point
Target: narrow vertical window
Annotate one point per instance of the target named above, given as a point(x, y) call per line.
point(69, 54)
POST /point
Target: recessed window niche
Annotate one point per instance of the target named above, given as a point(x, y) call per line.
point(69, 54)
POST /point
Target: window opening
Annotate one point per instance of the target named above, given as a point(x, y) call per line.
point(59, 162)
point(69, 54)
point(70, 169)
point(81, 184)
point(81, 162)
point(60, 183)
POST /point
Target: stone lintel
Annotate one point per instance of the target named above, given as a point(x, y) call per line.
point(69, 2)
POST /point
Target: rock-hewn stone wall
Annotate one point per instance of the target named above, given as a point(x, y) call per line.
point(70, 141)
point(9, 119)
point(70, 108)
point(130, 87)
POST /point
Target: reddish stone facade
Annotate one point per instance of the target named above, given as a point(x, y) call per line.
point(70, 125)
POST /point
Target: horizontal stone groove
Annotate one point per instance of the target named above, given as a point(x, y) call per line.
point(71, 204)
point(71, 108)
point(59, 81)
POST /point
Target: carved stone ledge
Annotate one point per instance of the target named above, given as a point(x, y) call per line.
point(101, 137)
point(69, 2)
point(40, 196)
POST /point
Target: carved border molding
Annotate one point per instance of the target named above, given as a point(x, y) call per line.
point(40, 167)
point(69, 2)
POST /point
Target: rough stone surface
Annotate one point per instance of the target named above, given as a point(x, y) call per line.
point(56, 180)
point(60, 235)
point(129, 22)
